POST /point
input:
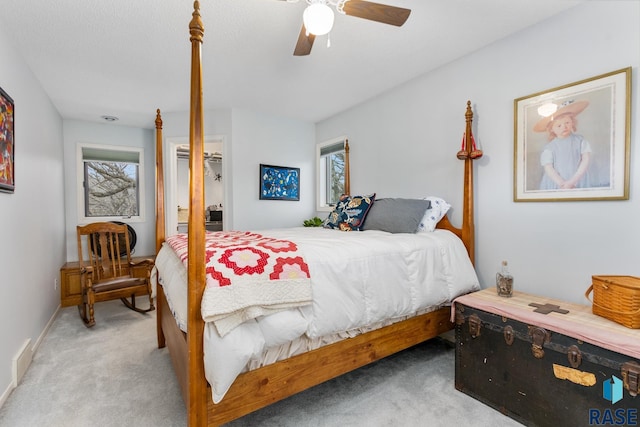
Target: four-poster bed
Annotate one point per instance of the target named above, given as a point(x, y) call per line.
point(267, 384)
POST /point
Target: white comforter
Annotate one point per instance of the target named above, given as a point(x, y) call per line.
point(358, 279)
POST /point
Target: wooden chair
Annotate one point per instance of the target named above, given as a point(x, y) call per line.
point(106, 269)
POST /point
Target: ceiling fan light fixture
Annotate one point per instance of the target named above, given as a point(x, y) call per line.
point(318, 19)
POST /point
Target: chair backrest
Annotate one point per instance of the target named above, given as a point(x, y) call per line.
point(104, 248)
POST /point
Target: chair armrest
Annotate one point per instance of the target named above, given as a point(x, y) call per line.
point(86, 276)
point(86, 269)
point(147, 261)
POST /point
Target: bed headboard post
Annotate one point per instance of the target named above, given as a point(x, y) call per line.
point(197, 387)
point(468, 153)
point(160, 215)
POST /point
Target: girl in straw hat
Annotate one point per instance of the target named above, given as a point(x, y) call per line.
point(565, 159)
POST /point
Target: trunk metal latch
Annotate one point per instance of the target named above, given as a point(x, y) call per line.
point(630, 375)
point(574, 356)
point(539, 336)
point(474, 325)
point(509, 335)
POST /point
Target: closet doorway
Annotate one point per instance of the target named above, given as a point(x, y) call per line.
point(178, 203)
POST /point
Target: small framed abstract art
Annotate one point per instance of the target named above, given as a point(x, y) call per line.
point(279, 183)
point(572, 142)
point(7, 148)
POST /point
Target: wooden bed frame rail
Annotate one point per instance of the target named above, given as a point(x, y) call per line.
point(258, 388)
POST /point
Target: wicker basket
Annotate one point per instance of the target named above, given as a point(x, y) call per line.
point(616, 298)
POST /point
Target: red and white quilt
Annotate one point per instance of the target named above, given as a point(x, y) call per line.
point(248, 275)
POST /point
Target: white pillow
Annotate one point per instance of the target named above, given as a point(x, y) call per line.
point(281, 327)
point(225, 358)
point(434, 214)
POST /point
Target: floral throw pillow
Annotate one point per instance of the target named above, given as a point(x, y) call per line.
point(349, 213)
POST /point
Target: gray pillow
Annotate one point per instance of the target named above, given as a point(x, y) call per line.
point(396, 215)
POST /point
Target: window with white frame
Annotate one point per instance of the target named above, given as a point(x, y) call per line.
point(111, 184)
point(330, 156)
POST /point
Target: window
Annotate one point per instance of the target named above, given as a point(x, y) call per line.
point(331, 160)
point(110, 183)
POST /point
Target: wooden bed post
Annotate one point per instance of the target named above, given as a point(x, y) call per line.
point(160, 216)
point(197, 388)
point(468, 153)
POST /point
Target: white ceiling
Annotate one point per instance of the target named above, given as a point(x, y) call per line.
point(126, 58)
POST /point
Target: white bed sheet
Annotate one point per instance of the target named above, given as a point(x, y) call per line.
point(359, 280)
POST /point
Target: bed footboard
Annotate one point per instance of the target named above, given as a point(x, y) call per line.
point(256, 389)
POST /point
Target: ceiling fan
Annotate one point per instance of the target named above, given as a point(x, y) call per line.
point(318, 18)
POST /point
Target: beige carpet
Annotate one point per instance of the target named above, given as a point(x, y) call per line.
point(114, 375)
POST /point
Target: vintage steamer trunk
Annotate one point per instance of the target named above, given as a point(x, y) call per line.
point(557, 369)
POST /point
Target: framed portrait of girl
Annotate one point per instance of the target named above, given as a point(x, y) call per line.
point(572, 142)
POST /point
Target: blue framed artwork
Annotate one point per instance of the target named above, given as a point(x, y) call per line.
point(279, 183)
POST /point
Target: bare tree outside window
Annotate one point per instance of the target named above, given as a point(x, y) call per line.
point(111, 189)
point(335, 165)
point(331, 160)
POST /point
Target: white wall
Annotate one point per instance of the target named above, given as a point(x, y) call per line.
point(404, 144)
point(82, 132)
point(262, 138)
point(32, 236)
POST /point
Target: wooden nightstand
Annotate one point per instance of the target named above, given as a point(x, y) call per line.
point(70, 280)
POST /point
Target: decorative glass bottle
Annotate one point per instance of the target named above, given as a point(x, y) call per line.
point(504, 281)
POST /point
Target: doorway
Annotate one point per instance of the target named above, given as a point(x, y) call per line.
point(178, 201)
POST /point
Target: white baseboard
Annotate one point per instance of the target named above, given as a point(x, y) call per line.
point(46, 330)
point(5, 395)
point(22, 360)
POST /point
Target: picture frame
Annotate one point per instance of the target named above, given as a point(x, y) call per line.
point(279, 183)
point(7, 143)
point(592, 118)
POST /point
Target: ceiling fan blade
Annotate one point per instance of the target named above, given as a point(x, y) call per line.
point(377, 12)
point(304, 44)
